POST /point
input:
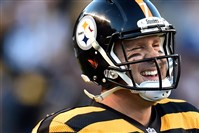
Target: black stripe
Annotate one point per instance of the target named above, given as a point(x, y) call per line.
point(44, 126)
point(179, 130)
point(172, 107)
point(122, 116)
point(80, 121)
point(127, 10)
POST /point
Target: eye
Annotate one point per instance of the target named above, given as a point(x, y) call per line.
point(156, 45)
point(158, 48)
point(135, 56)
point(160, 52)
point(136, 48)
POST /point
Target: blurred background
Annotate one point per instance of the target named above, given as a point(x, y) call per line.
point(39, 72)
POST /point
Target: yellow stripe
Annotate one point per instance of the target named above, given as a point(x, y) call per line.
point(36, 127)
point(167, 100)
point(112, 126)
point(186, 120)
point(144, 8)
point(59, 127)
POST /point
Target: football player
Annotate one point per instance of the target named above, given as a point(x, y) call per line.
point(128, 48)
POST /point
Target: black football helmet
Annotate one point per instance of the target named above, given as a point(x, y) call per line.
point(104, 22)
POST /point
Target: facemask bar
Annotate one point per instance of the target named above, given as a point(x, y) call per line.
point(173, 79)
point(173, 62)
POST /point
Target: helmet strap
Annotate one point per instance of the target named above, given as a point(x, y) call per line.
point(103, 95)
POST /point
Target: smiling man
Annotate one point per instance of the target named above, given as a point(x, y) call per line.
point(128, 48)
point(139, 49)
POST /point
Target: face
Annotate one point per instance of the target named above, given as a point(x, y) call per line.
point(142, 48)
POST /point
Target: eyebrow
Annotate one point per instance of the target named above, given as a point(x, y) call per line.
point(139, 43)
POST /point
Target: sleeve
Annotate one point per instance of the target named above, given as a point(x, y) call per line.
point(35, 129)
point(55, 126)
point(59, 127)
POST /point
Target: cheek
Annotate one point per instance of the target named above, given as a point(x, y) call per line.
point(135, 71)
point(134, 56)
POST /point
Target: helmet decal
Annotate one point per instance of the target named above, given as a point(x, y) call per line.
point(93, 63)
point(151, 22)
point(85, 28)
point(144, 8)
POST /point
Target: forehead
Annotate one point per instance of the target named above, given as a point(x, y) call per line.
point(143, 40)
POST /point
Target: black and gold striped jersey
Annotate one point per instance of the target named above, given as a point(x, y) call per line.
point(169, 116)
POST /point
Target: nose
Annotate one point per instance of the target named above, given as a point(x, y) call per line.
point(151, 52)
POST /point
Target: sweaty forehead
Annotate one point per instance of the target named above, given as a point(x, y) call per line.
point(142, 41)
point(131, 43)
point(148, 39)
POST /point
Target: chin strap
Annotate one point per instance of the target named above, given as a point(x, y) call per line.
point(147, 95)
point(103, 95)
point(158, 94)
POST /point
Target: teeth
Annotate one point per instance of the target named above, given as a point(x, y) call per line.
point(150, 73)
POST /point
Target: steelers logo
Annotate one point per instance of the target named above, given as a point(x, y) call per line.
point(86, 29)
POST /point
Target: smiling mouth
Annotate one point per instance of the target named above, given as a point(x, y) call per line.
point(151, 75)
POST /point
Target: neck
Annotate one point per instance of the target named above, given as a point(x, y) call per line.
point(132, 105)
